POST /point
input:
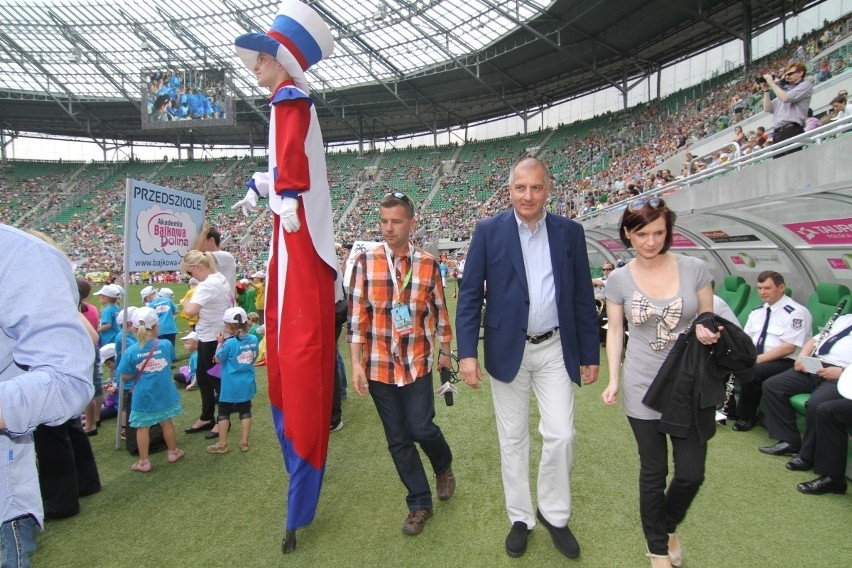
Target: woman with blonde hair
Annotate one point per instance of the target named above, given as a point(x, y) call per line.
point(209, 301)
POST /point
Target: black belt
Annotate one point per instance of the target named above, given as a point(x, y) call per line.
point(788, 125)
point(536, 339)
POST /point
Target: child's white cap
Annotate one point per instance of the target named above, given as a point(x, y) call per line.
point(107, 352)
point(122, 317)
point(166, 292)
point(190, 335)
point(147, 291)
point(110, 291)
point(193, 282)
point(245, 281)
point(145, 317)
point(235, 315)
point(259, 274)
point(120, 289)
point(262, 329)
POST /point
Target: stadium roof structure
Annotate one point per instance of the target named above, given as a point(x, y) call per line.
point(399, 67)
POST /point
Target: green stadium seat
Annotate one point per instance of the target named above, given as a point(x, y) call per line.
point(824, 301)
point(735, 292)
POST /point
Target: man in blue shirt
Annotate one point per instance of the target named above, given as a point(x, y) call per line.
point(46, 362)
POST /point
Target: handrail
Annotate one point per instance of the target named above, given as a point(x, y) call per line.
point(816, 136)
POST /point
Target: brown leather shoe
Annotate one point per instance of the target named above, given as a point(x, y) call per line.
point(415, 520)
point(446, 484)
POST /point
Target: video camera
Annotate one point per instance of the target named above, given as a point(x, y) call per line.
point(449, 377)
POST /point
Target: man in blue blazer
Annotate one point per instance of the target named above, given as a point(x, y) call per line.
point(541, 333)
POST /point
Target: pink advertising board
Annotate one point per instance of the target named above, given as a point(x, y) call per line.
point(826, 232)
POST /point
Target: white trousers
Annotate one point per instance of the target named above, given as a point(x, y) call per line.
point(543, 370)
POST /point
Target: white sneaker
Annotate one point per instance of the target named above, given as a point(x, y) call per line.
point(337, 428)
point(721, 417)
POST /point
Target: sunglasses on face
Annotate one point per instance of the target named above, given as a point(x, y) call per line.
point(653, 203)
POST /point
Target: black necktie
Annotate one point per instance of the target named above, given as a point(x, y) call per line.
point(762, 339)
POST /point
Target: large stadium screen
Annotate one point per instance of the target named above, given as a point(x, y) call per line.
point(186, 98)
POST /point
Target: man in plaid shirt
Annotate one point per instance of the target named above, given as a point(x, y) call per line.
point(396, 312)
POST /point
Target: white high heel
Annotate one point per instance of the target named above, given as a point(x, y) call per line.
point(675, 551)
point(659, 560)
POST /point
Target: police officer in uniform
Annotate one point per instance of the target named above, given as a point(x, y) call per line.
point(779, 328)
point(835, 353)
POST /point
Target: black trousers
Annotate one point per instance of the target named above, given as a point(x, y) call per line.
point(751, 386)
point(780, 414)
point(785, 132)
point(663, 508)
point(336, 395)
point(407, 415)
point(66, 468)
point(207, 384)
point(833, 420)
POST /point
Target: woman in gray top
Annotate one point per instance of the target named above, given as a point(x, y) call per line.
point(660, 292)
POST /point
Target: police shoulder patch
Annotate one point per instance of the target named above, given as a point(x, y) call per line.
point(797, 323)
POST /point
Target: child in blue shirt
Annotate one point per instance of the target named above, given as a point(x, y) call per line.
point(108, 329)
point(155, 398)
point(166, 311)
point(237, 355)
point(186, 374)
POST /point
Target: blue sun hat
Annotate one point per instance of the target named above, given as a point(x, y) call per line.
point(298, 39)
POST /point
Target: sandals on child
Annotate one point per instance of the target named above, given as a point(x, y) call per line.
point(142, 466)
point(244, 447)
point(175, 455)
point(217, 449)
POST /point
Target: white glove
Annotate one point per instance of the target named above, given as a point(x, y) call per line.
point(247, 203)
point(289, 214)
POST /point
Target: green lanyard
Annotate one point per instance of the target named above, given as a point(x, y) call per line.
point(397, 290)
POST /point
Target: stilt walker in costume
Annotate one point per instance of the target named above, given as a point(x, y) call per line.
point(302, 281)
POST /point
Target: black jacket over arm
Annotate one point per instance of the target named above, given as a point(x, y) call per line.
point(691, 382)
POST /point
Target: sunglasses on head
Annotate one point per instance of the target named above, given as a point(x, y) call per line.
point(653, 203)
point(398, 195)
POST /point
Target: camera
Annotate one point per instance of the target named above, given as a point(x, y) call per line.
point(759, 79)
point(446, 377)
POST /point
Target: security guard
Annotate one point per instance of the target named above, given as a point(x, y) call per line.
point(779, 329)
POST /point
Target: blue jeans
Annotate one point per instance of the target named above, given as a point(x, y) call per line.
point(407, 414)
point(17, 542)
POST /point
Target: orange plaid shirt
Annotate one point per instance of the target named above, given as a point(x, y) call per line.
point(389, 357)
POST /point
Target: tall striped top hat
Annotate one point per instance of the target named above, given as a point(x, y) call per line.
point(298, 39)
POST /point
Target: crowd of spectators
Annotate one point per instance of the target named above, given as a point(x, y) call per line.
point(595, 163)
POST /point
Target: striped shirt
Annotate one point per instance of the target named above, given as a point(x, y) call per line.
point(392, 358)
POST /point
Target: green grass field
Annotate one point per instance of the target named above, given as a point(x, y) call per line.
point(228, 510)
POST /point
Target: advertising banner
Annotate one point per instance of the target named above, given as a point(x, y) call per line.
point(160, 227)
point(826, 232)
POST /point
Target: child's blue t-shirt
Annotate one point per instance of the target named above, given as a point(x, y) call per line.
point(166, 310)
point(193, 365)
point(108, 314)
point(155, 390)
point(131, 340)
point(237, 357)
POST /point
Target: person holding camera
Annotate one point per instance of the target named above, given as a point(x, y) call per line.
point(397, 316)
point(789, 108)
